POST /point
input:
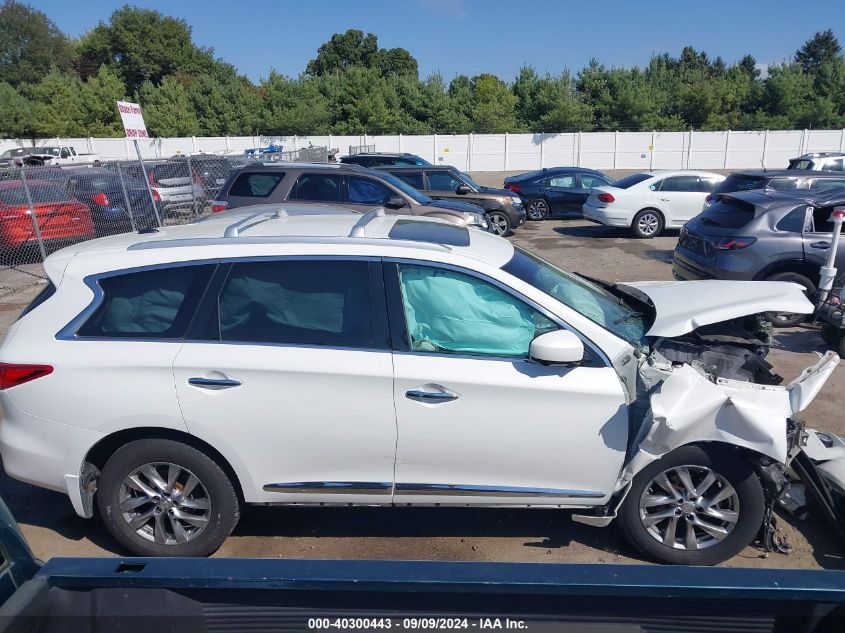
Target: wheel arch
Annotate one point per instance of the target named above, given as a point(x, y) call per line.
point(799, 266)
point(100, 452)
point(651, 208)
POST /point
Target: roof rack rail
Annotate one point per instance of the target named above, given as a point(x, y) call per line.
point(359, 230)
point(234, 230)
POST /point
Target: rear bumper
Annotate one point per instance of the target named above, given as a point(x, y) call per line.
point(608, 217)
point(685, 267)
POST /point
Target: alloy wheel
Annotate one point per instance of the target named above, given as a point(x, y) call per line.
point(498, 223)
point(538, 210)
point(648, 224)
point(165, 503)
point(689, 508)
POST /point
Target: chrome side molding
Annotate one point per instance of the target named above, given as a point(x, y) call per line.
point(493, 491)
point(332, 487)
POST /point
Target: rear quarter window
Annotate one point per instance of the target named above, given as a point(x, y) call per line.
point(156, 303)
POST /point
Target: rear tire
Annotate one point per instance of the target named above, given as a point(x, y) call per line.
point(788, 319)
point(537, 210)
point(699, 527)
point(647, 223)
point(163, 498)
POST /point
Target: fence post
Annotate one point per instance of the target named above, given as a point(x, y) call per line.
point(802, 147)
point(765, 148)
point(194, 144)
point(400, 143)
point(193, 187)
point(651, 153)
point(147, 181)
point(842, 141)
point(580, 138)
point(227, 143)
point(434, 159)
point(126, 198)
point(727, 149)
point(470, 150)
point(35, 226)
point(506, 151)
point(615, 147)
point(689, 149)
point(543, 151)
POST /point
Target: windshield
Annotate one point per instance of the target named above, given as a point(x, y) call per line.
point(408, 190)
point(591, 300)
point(630, 181)
point(468, 179)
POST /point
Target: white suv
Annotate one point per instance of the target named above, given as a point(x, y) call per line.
point(169, 377)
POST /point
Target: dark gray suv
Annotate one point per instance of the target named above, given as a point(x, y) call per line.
point(347, 186)
point(753, 235)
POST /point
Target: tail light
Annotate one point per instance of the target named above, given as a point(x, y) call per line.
point(709, 198)
point(513, 187)
point(197, 177)
point(13, 374)
point(156, 197)
point(219, 205)
point(101, 199)
point(606, 198)
point(733, 243)
point(151, 177)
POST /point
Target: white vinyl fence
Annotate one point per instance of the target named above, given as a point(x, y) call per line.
point(514, 152)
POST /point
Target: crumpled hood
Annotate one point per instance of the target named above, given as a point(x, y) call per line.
point(683, 306)
point(452, 205)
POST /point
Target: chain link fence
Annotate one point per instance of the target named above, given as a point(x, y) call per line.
point(44, 208)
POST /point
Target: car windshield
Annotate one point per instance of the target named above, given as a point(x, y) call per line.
point(468, 179)
point(408, 190)
point(630, 181)
point(596, 303)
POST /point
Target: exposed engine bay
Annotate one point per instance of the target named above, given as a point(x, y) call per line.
point(735, 349)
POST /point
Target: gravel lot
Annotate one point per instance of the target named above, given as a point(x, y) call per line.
point(53, 529)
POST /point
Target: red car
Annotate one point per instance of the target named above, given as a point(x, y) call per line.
point(61, 217)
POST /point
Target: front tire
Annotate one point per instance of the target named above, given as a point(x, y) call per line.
point(789, 319)
point(647, 223)
point(537, 210)
point(500, 223)
point(693, 507)
point(163, 498)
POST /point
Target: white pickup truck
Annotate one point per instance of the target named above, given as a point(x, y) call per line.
point(52, 155)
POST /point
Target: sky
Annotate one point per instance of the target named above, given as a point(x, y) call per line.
point(474, 36)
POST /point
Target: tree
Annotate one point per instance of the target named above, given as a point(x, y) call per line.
point(293, 106)
point(167, 110)
point(57, 105)
point(30, 45)
point(17, 116)
point(98, 97)
point(396, 61)
point(344, 50)
point(494, 106)
point(821, 49)
point(143, 45)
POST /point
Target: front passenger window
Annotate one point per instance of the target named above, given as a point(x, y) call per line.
point(450, 312)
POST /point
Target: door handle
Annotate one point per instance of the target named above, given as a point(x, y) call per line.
point(431, 393)
point(213, 383)
point(664, 199)
point(821, 245)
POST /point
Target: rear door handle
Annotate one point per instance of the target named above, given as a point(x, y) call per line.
point(665, 199)
point(821, 245)
point(213, 383)
point(432, 394)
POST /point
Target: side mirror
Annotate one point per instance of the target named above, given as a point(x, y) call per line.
point(560, 347)
point(394, 202)
point(463, 190)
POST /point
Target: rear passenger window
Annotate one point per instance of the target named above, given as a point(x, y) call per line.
point(367, 191)
point(680, 183)
point(827, 183)
point(297, 303)
point(783, 184)
point(255, 184)
point(413, 178)
point(155, 303)
point(317, 188)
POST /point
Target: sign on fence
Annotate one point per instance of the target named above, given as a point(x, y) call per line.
point(133, 120)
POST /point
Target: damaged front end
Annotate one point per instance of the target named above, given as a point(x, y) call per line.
point(704, 381)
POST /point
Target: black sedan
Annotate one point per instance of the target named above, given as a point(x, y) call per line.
point(111, 210)
point(555, 190)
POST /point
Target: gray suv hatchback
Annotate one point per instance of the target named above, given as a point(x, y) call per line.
point(754, 235)
point(348, 186)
